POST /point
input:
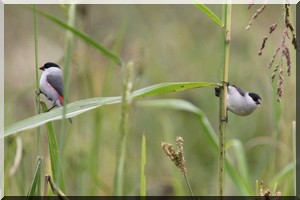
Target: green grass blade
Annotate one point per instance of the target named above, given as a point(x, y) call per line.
point(241, 184)
point(81, 106)
point(240, 154)
point(283, 173)
point(178, 104)
point(143, 166)
point(210, 14)
point(73, 109)
point(38, 108)
point(56, 169)
point(211, 136)
point(36, 178)
point(84, 37)
point(163, 88)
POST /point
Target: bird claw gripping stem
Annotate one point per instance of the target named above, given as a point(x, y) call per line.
point(227, 83)
point(225, 119)
point(37, 92)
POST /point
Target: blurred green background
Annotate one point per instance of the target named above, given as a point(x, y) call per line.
point(167, 43)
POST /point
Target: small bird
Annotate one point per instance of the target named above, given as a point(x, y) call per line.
point(52, 84)
point(239, 101)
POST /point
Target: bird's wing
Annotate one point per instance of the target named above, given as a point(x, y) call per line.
point(240, 90)
point(57, 83)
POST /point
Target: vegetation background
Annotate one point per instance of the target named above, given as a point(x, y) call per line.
point(166, 43)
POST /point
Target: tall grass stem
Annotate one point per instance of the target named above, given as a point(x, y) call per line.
point(121, 148)
point(223, 108)
point(37, 97)
point(294, 156)
point(67, 61)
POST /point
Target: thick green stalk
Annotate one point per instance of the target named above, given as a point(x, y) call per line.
point(38, 108)
point(223, 108)
point(121, 148)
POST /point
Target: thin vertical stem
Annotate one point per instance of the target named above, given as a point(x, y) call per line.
point(223, 96)
point(38, 108)
point(67, 61)
point(189, 185)
point(294, 155)
point(121, 148)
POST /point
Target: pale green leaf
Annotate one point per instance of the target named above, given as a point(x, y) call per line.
point(83, 36)
point(81, 106)
point(210, 14)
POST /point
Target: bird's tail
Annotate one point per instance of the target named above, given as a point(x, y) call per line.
point(70, 120)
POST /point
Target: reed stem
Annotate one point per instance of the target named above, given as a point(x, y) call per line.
point(223, 103)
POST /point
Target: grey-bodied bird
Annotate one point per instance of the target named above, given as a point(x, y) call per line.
point(52, 84)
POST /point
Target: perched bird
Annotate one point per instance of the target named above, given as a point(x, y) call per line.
point(52, 84)
point(239, 101)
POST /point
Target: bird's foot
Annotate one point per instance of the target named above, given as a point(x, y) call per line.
point(37, 92)
point(50, 108)
point(227, 83)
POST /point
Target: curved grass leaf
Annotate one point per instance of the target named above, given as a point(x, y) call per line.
point(210, 14)
point(178, 104)
point(211, 136)
point(283, 173)
point(73, 109)
point(84, 37)
point(56, 169)
point(169, 87)
point(81, 106)
point(239, 152)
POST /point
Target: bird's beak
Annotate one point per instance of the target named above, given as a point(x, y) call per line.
point(258, 102)
point(42, 68)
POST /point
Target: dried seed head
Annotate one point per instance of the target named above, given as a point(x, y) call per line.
point(168, 149)
point(273, 57)
point(179, 142)
point(176, 156)
point(267, 193)
point(287, 10)
point(294, 42)
point(250, 5)
point(284, 35)
point(272, 28)
point(280, 85)
point(255, 15)
point(263, 45)
point(274, 72)
point(285, 50)
point(278, 194)
point(288, 60)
